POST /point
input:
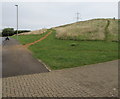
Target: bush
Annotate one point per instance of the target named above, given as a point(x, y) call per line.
point(8, 32)
point(73, 44)
point(21, 31)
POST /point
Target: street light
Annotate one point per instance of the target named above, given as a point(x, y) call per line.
point(17, 21)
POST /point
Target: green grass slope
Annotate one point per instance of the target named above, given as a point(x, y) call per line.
point(96, 29)
point(25, 39)
point(59, 54)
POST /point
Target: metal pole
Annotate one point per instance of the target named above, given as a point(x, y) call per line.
point(17, 21)
point(77, 16)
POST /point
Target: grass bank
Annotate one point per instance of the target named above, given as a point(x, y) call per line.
point(96, 29)
point(25, 39)
point(59, 54)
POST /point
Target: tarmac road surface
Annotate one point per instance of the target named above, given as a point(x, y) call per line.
point(16, 60)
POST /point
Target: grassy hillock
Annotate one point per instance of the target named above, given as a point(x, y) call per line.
point(96, 29)
point(59, 54)
point(76, 44)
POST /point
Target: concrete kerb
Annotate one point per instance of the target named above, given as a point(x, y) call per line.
point(44, 65)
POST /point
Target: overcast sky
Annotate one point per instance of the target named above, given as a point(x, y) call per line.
point(37, 15)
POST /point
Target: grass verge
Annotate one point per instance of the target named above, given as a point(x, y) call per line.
point(25, 39)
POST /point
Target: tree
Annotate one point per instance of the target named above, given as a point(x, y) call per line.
point(8, 32)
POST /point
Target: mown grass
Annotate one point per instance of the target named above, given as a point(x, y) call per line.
point(59, 54)
point(25, 39)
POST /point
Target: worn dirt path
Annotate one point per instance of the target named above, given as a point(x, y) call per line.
point(29, 44)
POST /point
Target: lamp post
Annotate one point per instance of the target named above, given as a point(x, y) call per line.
point(17, 21)
point(77, 16)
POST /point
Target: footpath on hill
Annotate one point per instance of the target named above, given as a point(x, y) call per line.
point(29, 44)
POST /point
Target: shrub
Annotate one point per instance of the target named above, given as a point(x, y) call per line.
point(8, 32)
point(21, 31)
point(73, 44)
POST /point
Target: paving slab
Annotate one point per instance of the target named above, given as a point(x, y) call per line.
point(97, 80)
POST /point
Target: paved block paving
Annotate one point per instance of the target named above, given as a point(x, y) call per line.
point(98, 80)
